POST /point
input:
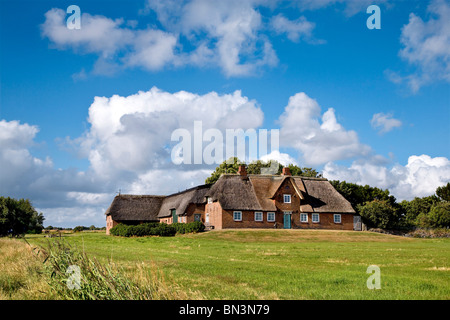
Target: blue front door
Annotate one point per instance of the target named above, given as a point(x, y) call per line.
point(287, 220)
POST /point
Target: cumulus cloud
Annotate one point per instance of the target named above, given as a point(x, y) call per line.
point(384, 122)
point(225, 34)
point(426, 46)
point(418, 178)
point(128, 145)
point(319, 138)
point(132, 134)
point(117, 44)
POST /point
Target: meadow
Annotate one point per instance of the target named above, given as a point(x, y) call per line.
point(253, 264)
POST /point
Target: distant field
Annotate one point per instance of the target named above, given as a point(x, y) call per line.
point(282, 264)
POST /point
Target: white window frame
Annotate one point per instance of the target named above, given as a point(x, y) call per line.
point(335, 216)
point(271, 220)
point(284, 198)
point(240, 215)
point(315, 215)
point(261, 215)
point(303, 214)
point(209, 199)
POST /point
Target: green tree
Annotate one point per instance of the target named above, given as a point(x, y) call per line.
point(379, 214)
point(418, 206)
point(444, 192)
point(438, 217)
point(255, 167)
point(19, 217)
point(358, 195)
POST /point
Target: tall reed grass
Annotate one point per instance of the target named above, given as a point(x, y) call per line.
point(28, 273)
point(99, 281)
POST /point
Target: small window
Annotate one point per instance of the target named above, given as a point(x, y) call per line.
point(209, 199)
point(237, 215)
point(258, 216)
point(315, 218)
point(303, 217)
point(337, 218)
point(271, 216)
point(287, 198)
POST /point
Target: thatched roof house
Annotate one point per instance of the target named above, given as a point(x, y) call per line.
point(243, 201)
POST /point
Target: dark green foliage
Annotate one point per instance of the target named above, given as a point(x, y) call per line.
point(444, 192)
point(255, 167)
point(379, 214)
point(191, 227)
point(78, 229)
point(19, 217)
point(438, 217)
point(418, 206)
point(358, 195)
point(144, 229)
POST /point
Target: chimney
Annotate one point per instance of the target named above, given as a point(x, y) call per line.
point(286, 171)
point(242, 172)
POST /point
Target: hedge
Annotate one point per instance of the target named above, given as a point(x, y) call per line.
point(156, 229)
point(191, 227)
point(144, 229)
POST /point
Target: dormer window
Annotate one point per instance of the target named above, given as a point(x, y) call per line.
point(286, 198)
point(209, 199)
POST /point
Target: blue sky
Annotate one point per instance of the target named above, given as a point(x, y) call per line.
point(366, 106)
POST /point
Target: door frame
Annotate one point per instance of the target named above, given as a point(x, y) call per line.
point(287, 217)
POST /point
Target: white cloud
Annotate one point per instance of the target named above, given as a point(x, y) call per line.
point(295, 30)
point(418, 178)
point(426, 45)
point(128, 147)
point(384, 122)
point(283, 158)
point(229, 34)
point(319, 138)
point(116, 44)
point(349, 7)
point(131, 134)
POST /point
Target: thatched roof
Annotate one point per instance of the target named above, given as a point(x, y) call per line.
point(180, 201)
point(323, 197)
point(234, 193)
point(256, 192)
point(135, 208)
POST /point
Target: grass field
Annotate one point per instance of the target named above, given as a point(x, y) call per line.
point(278, 264)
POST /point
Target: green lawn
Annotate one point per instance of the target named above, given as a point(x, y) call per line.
point(283, 264)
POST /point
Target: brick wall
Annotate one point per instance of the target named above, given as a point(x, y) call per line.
point(110, 223)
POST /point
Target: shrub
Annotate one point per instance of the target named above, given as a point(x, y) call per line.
point(191, 227)
point(78, 229)
point(145, 229)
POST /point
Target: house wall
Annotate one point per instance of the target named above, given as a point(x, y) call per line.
point(326, 221)
point(167, 220)
point(110, 223)
point(194, 209)
point(287, 188)
point(214, 211)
